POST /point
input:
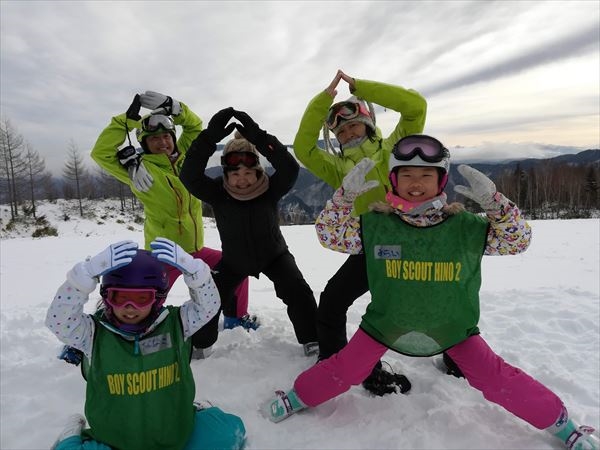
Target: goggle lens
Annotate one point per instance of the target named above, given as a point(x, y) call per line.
point(344, 111)
point(156, 122)
point(138, 298)
point(428, 148)
point(237, 159)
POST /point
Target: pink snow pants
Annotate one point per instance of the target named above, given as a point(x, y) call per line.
point(212, 257)
point(498, 381)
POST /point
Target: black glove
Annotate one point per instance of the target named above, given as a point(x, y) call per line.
point(217, 126)
point(250, 129)
point(128, 156)
point(133, 112)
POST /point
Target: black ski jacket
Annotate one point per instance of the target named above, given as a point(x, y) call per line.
point(250, 235)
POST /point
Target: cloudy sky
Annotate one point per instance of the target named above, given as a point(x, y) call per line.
point(503, 79)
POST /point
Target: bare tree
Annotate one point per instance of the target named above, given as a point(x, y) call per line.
point(75, 172)
point(12, 164)
point(36, 173)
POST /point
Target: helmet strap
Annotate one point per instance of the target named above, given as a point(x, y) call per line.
point(415, 208)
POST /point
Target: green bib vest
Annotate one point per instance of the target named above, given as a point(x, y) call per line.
point(140, 395)
point(424, 282)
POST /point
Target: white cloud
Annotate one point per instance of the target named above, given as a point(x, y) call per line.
point(490, 70)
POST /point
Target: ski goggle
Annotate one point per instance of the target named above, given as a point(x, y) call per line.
point(237, 159)
point(155, 122)
point(138, 298)
point(345, 111)
point(428, 148)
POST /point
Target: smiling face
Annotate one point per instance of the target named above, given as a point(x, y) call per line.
point(160, 143)
point(242, 177)
point(417, 184)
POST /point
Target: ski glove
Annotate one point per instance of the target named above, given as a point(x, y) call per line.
point(85, 275)
point(482, 190)
point(128, 156)
point(160, 103)
point(250, 129)
point(195, 270)
point(217, 127)
point(133, 112)
point(140, 177)
point(355, 183)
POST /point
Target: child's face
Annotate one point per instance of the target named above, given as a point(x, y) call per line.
point(417, 184)
point(242, 177)
point(351, 131)
point(127, 313)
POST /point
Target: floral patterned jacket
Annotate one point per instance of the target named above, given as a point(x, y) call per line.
point(338, 230)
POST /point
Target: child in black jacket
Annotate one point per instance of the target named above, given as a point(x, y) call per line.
point(244, 201)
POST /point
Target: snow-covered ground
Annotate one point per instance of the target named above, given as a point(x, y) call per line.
point(539, 310)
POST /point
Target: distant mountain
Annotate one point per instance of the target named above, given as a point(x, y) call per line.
point(310, 193)
point(308, 196)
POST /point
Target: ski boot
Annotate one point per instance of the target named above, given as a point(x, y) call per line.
point(247, 321)
point(381, 382)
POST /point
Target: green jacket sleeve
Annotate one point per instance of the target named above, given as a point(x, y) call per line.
point(108, 143)
point(316, 159)
point(408, 102)
point(192, 126)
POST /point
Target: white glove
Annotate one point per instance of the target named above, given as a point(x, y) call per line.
point(140, 177)
point(354, 182)
point(482, 190)
point(160, 103)
point(169, 252)
point(84, 275)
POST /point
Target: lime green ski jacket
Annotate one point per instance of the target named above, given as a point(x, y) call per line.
point(332, 168)
point(170, 210)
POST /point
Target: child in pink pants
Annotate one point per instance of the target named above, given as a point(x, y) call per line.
point(424, 271)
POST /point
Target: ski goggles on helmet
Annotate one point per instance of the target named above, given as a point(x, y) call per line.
point(156, 122)
point(236, 159)
point(139, 298)
point(345, 111)
point(428, 148)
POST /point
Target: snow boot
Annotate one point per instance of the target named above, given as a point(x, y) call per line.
point(75, 424)
point(446, 365)
point(201, 353)
point(575, 437)
point(247, 321)
point(71, 355)
point(311, 348)
point(583, 438)
point(282, 406)
point(381, 382)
